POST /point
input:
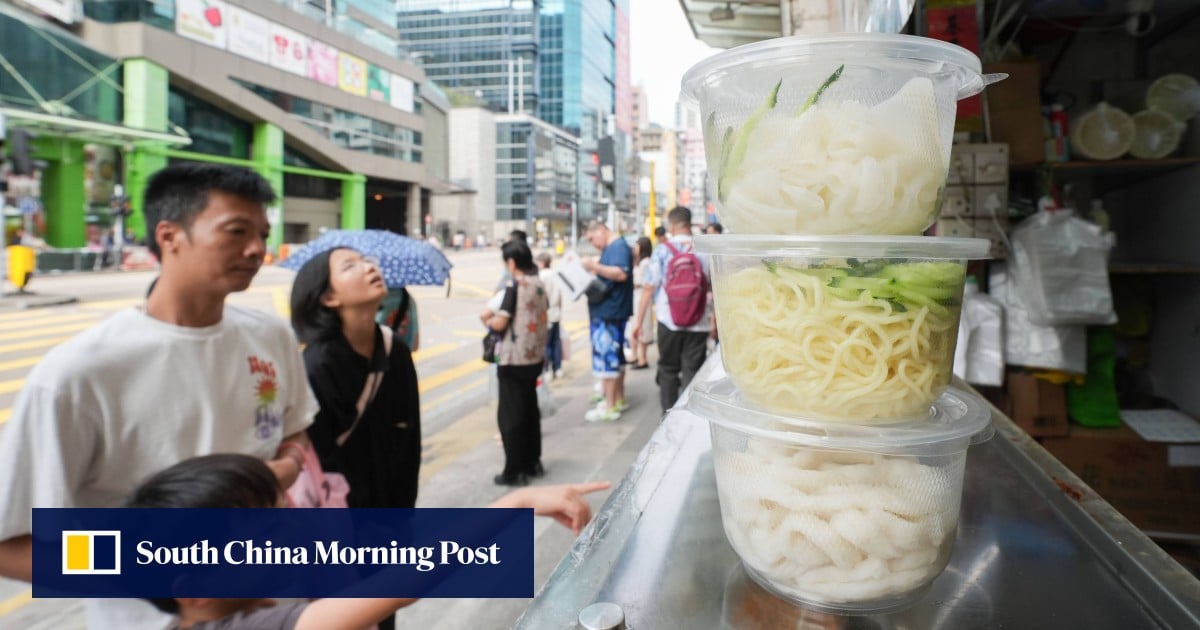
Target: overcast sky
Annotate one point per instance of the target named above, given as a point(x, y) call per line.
point(662, 49)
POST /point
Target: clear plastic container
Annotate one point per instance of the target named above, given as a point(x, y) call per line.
point(837, 134)
point(852, 519)
point(840, 328)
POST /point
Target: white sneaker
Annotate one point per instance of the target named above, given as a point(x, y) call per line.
point(558, 373)
point(601, 414)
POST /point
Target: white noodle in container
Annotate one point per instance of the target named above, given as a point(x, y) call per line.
point(852, 519)
point(845, 133)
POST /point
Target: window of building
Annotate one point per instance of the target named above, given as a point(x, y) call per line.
point(213, 130)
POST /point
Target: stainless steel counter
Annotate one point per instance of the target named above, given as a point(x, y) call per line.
point(1036, 548)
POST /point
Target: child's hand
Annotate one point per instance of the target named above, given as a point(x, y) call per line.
point(565, 503)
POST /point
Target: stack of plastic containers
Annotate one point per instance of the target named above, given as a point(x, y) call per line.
point(839, 447)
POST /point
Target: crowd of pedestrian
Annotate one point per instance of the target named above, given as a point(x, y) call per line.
point(143, 400)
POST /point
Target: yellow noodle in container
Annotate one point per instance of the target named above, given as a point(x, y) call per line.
point(846, 328)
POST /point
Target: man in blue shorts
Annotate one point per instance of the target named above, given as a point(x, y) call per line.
point(608, 313)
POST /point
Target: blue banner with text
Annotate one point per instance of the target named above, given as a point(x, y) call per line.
point(294, 553)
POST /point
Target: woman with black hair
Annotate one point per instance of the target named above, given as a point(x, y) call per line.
point(523, 319)
point(369, 425)
point(641, 346)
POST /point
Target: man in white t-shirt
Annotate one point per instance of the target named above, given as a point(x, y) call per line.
point(681, 349)
point(185, 375)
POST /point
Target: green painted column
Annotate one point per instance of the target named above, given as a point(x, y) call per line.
point(146, 91)
point(267, 153)
point(354, 202)
point(63, 192)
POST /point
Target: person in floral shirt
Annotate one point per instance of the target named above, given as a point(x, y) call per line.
point(523, 318)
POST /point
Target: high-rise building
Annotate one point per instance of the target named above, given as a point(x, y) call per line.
point(661, 147)
point(693, 172)
point(564, 61)
point(641, 115)
point(311, 93)
point(485, 49)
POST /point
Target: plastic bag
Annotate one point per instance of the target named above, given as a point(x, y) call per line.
point(546, 404)
point(315, 488)
point(1032, 345)
point(1060, 264)
point(979, 354)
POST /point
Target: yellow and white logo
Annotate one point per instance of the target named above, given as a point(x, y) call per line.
point(91, 552)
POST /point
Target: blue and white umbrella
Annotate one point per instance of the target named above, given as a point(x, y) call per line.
point(404, 261)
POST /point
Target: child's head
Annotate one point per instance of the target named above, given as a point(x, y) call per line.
point(211, 481)
point(332, 281)
point(224, 480)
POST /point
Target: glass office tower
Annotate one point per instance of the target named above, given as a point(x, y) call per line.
point(482, 48)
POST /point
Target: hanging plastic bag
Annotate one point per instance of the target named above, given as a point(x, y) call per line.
point(1033, 345)
point(1060, 265)
point(979, 354)
point(546, 404)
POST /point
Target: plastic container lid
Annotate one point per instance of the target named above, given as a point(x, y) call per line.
point(956, 420)
point(941, 56)
point(853, 246)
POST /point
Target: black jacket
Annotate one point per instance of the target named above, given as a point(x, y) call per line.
point(382, 458)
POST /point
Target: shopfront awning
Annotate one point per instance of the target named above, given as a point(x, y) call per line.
point(87, 130)
point(723, 24)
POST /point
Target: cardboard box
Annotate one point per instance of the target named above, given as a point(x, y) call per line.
point(1137, 477)
point(1038, 407)
point(1014, 111)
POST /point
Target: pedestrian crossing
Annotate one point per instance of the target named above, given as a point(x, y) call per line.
point(26, 337)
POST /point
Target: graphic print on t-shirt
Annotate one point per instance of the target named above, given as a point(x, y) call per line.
point(267, 417)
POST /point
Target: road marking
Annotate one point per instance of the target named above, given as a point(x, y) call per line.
point(113, 305)
point(16, 601)
point(29, 345)
point(19, 316)
point(38, 332)
point(446, 446)
point(5, 414)
point(20, 363)
point(50, 320)
point(480, 291)
point(433, 351)
point(11, 386)
point(425, 408)
point(470, 334)
point(452, 374)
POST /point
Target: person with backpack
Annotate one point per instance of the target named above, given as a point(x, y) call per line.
point(677, 283)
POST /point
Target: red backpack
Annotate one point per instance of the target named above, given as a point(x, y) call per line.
point(686, 287)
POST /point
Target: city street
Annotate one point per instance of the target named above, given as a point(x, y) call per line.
point(460, 455)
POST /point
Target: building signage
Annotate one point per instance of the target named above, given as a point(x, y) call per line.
point(402, 93)
point(379, 84)
point(323, 63)
point(202, 21)
point(352, 74)
point(65, 11)
point(289, 50)
point(249, 35)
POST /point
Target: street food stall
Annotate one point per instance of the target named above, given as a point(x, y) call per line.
point(1035, 548)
